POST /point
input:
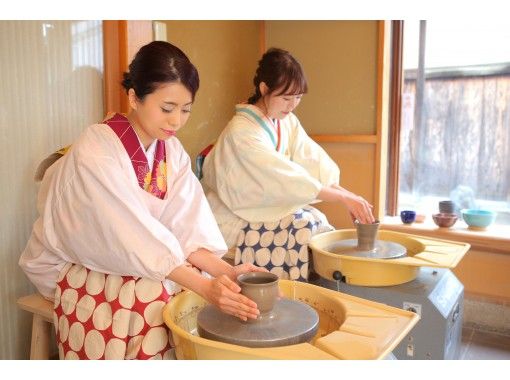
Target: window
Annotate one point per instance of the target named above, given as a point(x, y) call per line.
point(454, 129)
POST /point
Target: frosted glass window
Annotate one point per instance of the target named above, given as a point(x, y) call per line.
point(52, 88)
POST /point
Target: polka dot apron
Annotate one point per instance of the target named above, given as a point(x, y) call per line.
point(281, 246)
point(101, 316)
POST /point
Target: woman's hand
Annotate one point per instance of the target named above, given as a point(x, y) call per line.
point(358, 207)
point(223, 291)
point(225, 294)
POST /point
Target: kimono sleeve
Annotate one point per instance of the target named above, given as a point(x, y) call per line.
point(250, 174)
point(98, 219)
point(188, 214)
point(311, 156)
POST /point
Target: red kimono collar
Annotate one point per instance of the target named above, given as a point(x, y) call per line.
point(154, 182)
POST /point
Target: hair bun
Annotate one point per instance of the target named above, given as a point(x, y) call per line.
point(126, 82)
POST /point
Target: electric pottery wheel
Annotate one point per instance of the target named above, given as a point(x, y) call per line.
point(367, 246)
point(281, 321)
point(369, 257)
point(349, 328)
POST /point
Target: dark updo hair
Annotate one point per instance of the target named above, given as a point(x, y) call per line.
point(157, 63)
point(278, 69)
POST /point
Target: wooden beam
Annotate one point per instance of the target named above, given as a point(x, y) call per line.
point(397, 36)
point(139, 33)
point(262, 37)
point(360, 139)
point(112, 71)
point(383, 80)
point(121, 40)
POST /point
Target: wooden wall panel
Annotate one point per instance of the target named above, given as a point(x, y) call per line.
point(356, 175)
point(339, 59)
point(485, 275)
point(121, 39)
point(112, 70)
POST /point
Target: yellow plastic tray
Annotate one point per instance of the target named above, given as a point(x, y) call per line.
point(349, 328)
point(363, 271)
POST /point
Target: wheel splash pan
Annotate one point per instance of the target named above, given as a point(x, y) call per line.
point(349, 328)
point(365, 271)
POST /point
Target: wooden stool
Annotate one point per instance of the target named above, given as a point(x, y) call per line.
point(42, 322)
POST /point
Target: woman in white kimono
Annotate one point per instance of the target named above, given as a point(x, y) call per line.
point(263, 172)
point(124, 223)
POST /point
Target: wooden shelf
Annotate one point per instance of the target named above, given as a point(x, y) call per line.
point(495, 238)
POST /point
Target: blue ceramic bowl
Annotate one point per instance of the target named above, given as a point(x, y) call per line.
point(408, 216)
point(478, 218)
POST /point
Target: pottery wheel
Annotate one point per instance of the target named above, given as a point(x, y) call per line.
point(290, 322)
point(382, 249)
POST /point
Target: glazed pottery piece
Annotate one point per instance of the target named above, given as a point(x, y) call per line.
point(478, 219)
point(444, 220)
point(446, 207)
point(408, 216)
point(420, 218)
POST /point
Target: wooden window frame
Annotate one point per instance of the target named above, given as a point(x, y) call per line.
point(396, 83)
point(121, 40)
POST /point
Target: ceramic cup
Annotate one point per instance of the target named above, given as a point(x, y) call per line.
point(261, 288)
point(444, 220)
point(446, 207)
point(408, 216)
point(366, 235)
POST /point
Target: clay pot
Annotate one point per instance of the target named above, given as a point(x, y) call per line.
point(420, 218)
point(261, 288)
point(366, 235)
point(444, 220)
point(446, 207)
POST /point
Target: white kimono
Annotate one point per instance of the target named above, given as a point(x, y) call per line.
point(246, 178)
point(93, 212)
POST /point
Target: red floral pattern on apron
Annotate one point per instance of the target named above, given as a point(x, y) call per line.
point(106, 316)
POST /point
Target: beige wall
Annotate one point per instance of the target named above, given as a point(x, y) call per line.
point(340, 62)
point(226, 55)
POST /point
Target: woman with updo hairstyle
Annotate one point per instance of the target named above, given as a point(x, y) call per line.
point(124, 224)
point(264, 171)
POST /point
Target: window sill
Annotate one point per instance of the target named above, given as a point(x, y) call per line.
point(495, 238)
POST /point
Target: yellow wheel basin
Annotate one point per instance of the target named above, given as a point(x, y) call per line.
point(349, 328)
point(365, 271)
